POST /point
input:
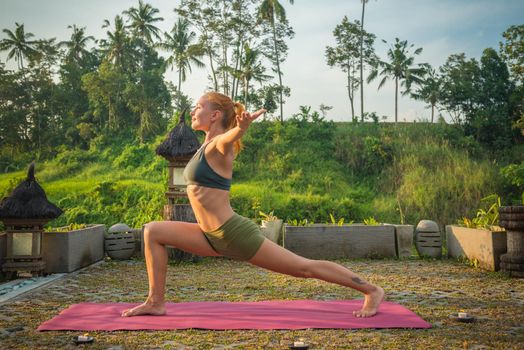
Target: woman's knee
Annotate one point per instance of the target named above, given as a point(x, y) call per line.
point(151, 231)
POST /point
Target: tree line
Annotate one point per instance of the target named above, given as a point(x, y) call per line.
point(85, 91)
point(85, 88)
point(485, 97)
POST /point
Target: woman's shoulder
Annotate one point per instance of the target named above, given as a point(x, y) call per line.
point(213, 147)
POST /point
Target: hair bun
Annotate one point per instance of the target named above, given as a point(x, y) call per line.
point(239, 108)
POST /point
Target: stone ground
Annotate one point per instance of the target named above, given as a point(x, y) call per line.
point(433, 289)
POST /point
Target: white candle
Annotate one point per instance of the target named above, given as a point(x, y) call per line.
point(299, 343)
point(463, 315)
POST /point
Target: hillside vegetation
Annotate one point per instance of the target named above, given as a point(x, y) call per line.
point(304, 168)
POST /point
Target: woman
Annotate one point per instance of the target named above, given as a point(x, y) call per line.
point(219, 230)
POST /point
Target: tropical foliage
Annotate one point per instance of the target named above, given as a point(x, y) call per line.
point(91, 111)
point(182, 51)
point(19, 45)
point(487, 216)
point(352, 44)
point(400, 68)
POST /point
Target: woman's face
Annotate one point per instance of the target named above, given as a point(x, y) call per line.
point(202, 115)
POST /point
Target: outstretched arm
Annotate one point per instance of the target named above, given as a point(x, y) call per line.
point(226, 140)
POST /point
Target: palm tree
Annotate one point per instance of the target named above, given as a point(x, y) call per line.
point(19, 45)
point(142, 21)
point(183, 52)
point(251, 69)
point(429, 90)
point(76, 45)
point(400, 68)
point(47, 52)
point(364, 2)
point(116, 44)
point(116, 50)
point(270, 11)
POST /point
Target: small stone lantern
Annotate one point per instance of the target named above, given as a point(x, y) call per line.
point(428, 240)
point(24, 213)
point(119, 243)
point(178, 148)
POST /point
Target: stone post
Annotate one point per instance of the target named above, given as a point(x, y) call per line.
point(512, 219)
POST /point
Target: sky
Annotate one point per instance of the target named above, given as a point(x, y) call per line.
point(440, 27)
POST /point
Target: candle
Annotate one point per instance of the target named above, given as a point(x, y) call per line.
point(463, 315)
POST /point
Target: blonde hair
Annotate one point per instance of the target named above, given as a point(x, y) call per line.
point(229, 110)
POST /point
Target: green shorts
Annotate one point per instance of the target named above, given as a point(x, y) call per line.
point(238, 238)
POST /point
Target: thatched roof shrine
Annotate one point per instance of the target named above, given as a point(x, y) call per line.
point(180, 143)
point(28, 201)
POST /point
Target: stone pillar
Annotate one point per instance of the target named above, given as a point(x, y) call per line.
point(512, 219)
point(179, 212)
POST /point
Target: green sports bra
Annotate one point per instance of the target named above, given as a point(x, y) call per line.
point(198, 172)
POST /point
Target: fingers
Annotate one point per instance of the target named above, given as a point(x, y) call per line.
point(242, 120)
point(254, 115)
point(247, 118)
point(258, 113)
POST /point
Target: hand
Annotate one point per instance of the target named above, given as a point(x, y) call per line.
point(244, 119)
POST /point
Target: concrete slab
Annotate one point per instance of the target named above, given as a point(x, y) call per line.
point(40, 282)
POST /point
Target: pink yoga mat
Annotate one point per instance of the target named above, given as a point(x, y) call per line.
point(286, 314)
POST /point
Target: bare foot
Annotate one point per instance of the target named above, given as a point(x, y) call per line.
point(145, 309)
point(371, 303)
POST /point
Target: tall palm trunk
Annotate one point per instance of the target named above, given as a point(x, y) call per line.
point(236, 81)
point(209, 51)
point(224, 53)
point(361, 61)
point(396, 99)
point(246, 90)
point(349, 94)
point(179, 79)
point(278, 68)
point(109, 112)
point(432, 112)
point(215, 81)
point(21, 64)
point(143, 48)
point(225, 75)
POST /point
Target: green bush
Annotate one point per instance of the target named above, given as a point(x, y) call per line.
point(440, 183)
point(513, 174)
point(12, 159)
point(66, 163)
point(250, 199)
point(363, 155)
point(133, 156)
point(487, 215)
point(129, 201)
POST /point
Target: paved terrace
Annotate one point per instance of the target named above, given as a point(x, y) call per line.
point(433, 289)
